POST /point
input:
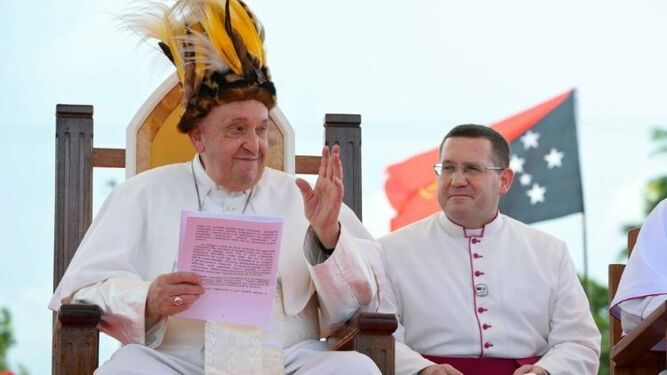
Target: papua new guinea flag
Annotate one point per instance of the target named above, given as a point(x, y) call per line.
point(544, 157)
point(545, 160)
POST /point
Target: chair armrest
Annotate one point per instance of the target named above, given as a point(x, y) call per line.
point(79, 315)
point(642, 339)
point(76, 339)
point(370, 334)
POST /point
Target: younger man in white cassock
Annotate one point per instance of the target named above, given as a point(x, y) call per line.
point(643, 286)
point(477, 292)
point(124, 264)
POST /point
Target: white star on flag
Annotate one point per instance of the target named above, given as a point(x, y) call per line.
point(554, 158)
point(536, 194)
point(525, 179)
point(530, 140)
point(516, 163)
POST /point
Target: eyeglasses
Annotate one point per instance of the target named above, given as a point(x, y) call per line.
point(470, 170)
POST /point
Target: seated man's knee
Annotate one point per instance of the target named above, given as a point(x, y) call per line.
point(119, 360)
point(357, 363)
point(134, 359)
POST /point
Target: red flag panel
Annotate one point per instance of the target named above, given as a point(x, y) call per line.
point(406, 178)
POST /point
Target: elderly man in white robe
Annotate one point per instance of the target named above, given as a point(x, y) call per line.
point(480, 293)
point(125, 264)
point(643, 286)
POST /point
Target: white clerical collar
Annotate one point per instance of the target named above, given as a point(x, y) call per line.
point(206, 183)
point(458, 231)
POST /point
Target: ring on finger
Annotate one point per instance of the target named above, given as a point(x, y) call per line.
point(177, 301)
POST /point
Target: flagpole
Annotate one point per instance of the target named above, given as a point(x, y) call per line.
point(586, 282)
point(585, 254)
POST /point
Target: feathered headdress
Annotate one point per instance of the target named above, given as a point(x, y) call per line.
point(217, 48)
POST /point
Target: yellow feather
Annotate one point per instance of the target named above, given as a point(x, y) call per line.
point(242, 23)
point(215, 29)
point(178, 59)
point(161, 25)
point(195, 33)
point(200, 67)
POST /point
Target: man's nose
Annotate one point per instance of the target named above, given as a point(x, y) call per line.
point(251, 142)
point(459, 178)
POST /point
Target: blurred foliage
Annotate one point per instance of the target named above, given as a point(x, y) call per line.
point(599, 304)
point(6, 337)
point(6, 341)
point(656, 189)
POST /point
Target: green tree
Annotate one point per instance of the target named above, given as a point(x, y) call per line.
point(6, 337)
point(6, 341)
point(599, 304)
point(656, 189)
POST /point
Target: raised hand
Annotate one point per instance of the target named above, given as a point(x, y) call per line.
point(322, 204)
point(171, 293)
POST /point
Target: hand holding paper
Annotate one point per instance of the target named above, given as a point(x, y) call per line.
point(165, 288)
point(236, 257)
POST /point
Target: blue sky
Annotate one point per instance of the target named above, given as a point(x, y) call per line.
point(412, 69)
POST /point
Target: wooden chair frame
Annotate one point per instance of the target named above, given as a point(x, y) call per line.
point(75, 333)
point(631, 354)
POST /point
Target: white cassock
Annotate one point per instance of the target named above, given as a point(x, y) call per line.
point(504, 291)
point(643, 286)
point(135, 237)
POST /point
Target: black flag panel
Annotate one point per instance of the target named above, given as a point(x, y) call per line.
point(545, 159)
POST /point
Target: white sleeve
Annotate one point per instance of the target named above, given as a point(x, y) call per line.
point(345, 281)
point(574, 340)
point(635, 310)
point(123, 301)
point(407, 361)
point(106, 270)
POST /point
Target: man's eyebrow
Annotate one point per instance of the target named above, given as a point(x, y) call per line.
point(236, 119)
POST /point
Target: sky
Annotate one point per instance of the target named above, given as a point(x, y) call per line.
point(411, 69)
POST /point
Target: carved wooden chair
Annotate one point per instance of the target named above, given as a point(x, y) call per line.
point(75, 335)
point(631, 354)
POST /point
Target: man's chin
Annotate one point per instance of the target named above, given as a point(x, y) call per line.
point(252, 178)
point(459, 209)
point(245, 180)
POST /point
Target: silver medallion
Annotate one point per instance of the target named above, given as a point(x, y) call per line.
point(481, 290)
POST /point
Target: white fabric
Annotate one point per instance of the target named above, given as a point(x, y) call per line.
point(535, 303)
point(645, 273)
point(134, 238)
point(313, 358)
point(136, 359)
point(307, 358)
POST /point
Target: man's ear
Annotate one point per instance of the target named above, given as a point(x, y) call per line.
point(196, 139)
point(506, 178)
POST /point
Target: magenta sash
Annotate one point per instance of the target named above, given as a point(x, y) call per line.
point(487, 366)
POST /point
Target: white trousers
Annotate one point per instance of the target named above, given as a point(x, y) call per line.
point(308, 357)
